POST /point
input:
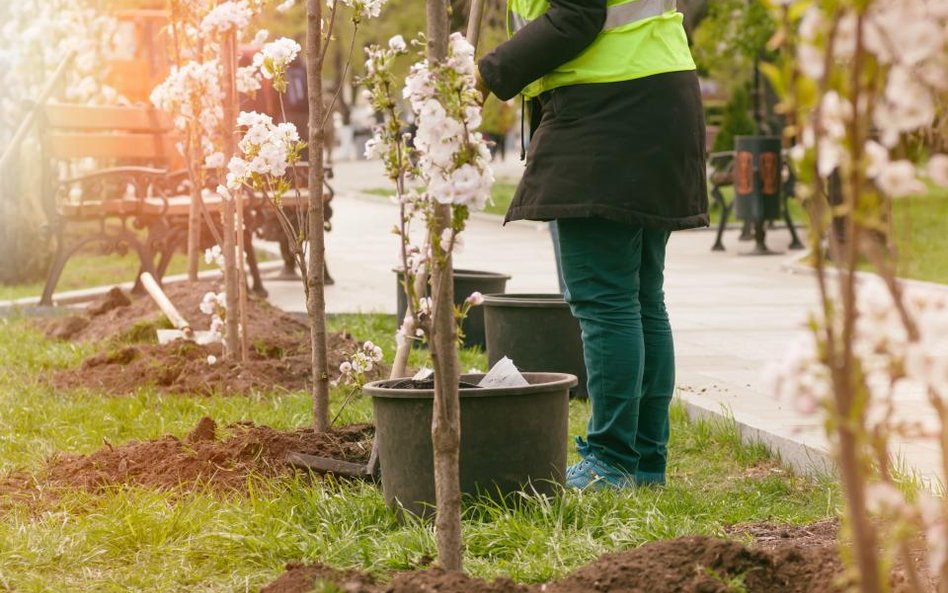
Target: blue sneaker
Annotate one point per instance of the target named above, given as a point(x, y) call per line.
point(592, 472)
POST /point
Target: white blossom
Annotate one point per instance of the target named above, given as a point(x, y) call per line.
point(248, 79)
point(231, 15)
point(397, 43)
point(213, 303)
point(475, 299)
point(364, 8)
point(936, 531)
point(213, 255)
point(275, 56)
point(260, 37)
point(898, 178)
point(265, 149)
point(877, 157)
point(938, 169)
point(800, 377)
point(215, 160)
point(884, 498)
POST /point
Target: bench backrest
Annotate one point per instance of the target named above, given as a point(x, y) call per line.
point(116, 133)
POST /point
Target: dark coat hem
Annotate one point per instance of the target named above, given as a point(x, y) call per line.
point(622, 215)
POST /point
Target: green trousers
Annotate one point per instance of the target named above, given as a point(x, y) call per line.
point(614, 275)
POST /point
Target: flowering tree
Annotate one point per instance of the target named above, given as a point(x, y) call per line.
point(201, 94)
point(265, 162)
point(861, 78)
point(36, 36)
point(450, 160)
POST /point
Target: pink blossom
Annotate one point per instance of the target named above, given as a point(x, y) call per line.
point(938, 169)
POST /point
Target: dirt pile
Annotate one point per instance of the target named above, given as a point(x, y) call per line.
point(707, 565)
point(300, 578)
point(202, 459)
point(129, 357)
point(799, 560)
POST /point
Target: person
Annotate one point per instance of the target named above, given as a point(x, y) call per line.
point(616, 159)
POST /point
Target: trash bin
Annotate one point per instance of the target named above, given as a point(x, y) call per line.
point(757, 167)
point(757, 184)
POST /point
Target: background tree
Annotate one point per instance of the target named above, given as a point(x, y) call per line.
point(36, 37)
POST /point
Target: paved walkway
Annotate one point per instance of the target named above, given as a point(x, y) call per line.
point(732, 313)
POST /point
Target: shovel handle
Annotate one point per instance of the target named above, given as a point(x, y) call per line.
point(164, 303)
point(474, 22)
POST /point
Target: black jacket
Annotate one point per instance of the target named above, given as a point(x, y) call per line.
point(631, 151)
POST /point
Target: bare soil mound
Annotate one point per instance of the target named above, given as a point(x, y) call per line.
point(707, 565)
point(300, 578)
point(202, 459)
point(785, 564)
point(129, 357)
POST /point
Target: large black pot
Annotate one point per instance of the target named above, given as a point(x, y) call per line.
point(511, 438)
point(537, 332)
point(465, 283)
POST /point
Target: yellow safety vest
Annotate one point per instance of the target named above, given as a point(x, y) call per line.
point(639, 38)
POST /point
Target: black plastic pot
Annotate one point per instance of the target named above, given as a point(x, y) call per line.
point(465, 283)
point(511, 437)
point(537, 332)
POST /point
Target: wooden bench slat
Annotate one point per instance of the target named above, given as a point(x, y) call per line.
point(73, 145)
point(86, 117)
point(177, 206)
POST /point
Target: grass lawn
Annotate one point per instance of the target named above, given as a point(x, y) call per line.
point(501, 195)
point(88, 270)
point(142, 540)
point(921, 236)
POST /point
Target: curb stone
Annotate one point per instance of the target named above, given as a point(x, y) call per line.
point(71, 298)
point(804, 459)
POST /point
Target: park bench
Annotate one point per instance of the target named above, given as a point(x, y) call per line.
point(108, 181)
point(721, 175)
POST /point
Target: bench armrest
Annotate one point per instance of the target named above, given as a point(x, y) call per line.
point(130, 186)
point(144, 172)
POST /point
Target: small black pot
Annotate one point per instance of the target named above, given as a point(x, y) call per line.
point(511, 438)
point(465, 283)
point(537, 332)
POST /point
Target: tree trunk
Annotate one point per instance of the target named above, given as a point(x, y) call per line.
point(864, 535)
point(446, 417)
point(400, 365)
point(194, 231)
point(228, 212)
point(242, 275)
point(315, 274)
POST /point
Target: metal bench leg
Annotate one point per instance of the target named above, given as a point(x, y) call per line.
point(789, 190)
point(327, 279)
point(147, 259)
point(795, 242)
point(289, 262)
point(258, 288)
point(747, 231)
point(725, 215)
point(165, 241)
point(56, 269)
